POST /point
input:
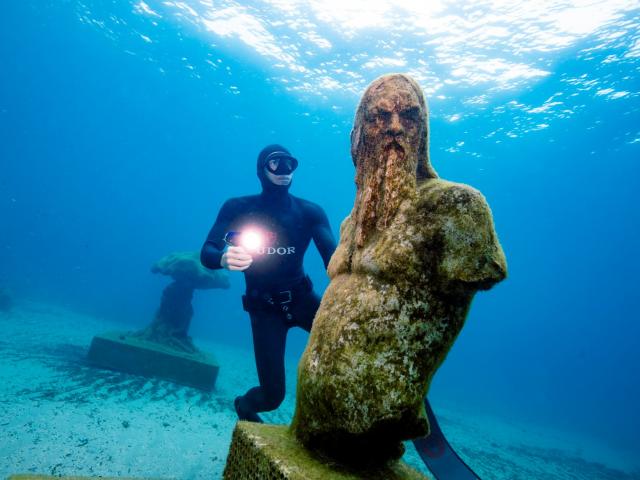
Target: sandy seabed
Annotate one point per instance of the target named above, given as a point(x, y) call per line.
point(59, 416)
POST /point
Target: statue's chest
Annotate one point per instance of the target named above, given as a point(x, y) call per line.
point(397, 251)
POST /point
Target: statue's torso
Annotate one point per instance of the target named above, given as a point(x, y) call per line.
point(393, 310)
point(383, 320)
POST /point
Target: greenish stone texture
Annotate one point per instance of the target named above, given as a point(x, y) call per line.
point(170, 326)
point(129, 353)
point(185, 267)
point(271, 452)
point(412, 253)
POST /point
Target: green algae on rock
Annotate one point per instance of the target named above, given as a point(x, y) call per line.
point(185, 267)
point(412, 253)
point(261, 451)
point(170, 326)
point(164, 348)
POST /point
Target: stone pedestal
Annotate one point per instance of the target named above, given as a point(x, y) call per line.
point(260, 451)
point(126, 353)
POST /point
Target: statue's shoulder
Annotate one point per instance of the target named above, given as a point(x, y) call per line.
point(442, 195)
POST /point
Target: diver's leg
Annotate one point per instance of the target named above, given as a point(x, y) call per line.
point(304, 310)
point(269, 336)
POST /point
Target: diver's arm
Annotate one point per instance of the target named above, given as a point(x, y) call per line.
point(210, 255)
point(322, 234)
point(213, 247)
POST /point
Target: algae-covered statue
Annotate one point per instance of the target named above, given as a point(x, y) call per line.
point(413, 252)
point(164, 348)
point(173, 318)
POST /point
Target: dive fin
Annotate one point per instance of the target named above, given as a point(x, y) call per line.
point(436, 453)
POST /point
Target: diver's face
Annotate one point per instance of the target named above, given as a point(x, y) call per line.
point(282, 180)
point(393, 117)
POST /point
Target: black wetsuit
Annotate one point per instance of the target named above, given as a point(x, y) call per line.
point(279, 295)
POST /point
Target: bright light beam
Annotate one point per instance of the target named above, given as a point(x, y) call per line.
point(252, 240)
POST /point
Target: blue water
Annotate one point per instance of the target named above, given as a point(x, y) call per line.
point(125, 125)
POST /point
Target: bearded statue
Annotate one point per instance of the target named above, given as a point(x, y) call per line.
point(412, 253)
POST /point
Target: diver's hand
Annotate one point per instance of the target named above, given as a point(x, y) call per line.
point(236, 258)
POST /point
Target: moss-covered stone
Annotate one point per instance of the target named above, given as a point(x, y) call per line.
point(412, 254)
point(164, 348)
point(170, 326)
point(129, 353)
point(272, 452)
point(185, 267)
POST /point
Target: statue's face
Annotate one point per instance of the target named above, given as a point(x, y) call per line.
point(393, 116)
point(389, 143)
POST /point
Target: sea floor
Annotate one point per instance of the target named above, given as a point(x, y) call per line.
point(59, 416)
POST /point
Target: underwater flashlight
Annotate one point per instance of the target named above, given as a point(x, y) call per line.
point(251, 239)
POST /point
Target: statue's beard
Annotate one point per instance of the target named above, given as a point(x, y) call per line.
point(383, 175)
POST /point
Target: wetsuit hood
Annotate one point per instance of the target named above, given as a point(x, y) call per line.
point(268, 187)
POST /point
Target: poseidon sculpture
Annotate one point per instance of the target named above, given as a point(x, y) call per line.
point(412, 254)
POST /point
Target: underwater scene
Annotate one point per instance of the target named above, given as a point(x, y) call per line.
point(305, 239)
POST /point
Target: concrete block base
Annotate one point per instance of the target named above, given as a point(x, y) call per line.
point(126, 353)
point(260, 451)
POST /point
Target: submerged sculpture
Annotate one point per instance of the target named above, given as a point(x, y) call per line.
point(412, 254)
point(170, 326)
point(164, 348)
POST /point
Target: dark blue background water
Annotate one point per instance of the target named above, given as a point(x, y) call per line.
point(107, 164)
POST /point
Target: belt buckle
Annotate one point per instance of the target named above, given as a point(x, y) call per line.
point(288, 292)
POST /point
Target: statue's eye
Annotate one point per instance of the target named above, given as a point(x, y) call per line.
point(384, 115)
point(410, 113)
point(371, 115)
point(378, 114)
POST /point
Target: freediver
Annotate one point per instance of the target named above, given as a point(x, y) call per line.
point(266, 237)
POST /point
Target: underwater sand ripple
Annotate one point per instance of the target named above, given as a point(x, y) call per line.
point(59, 416)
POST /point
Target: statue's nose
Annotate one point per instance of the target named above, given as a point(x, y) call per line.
point(395, 125)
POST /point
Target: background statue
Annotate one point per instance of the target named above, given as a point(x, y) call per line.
point(412, 254)
point(164, 349)
point(170, 326)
